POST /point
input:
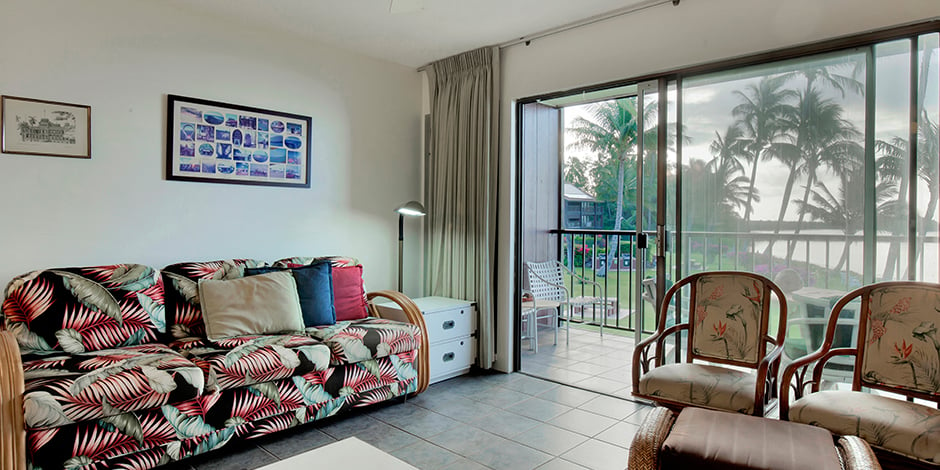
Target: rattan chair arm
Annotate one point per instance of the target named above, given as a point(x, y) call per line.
point(856, 454)
point(12, 427)
point(648, 440)
point(415, 317)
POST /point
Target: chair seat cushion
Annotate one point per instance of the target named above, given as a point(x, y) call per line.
point(62, 389)
point(246, 360)
point(706, 439)
point(701, 385)
point(891, 424)
point(369, 338)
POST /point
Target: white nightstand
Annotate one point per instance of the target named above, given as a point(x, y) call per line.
point(452, 326)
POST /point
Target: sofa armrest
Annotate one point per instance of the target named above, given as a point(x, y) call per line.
point(12, 427)
point(413, 313)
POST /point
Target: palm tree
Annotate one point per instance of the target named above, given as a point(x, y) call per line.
point(819, 118)
point(816, 137)
point(612, 133)
point(845, 209)
point(892, 167)
point(577, 172)
point(726, 170)
point(763, 108)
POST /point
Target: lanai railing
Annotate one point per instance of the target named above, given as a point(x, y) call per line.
point(814, 257)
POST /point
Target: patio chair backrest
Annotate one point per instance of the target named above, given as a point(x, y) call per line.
point(546, 280)
point(898, 342)
point(730, 316)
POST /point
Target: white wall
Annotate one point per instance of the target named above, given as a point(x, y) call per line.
point(660, 39)
point(122, 57)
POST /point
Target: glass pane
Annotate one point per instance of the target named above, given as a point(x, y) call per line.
point(892, 158)
point(773, 171)
point(928, 163)
point(650, 155)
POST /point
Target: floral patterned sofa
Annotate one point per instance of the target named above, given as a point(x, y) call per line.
point(110, 367)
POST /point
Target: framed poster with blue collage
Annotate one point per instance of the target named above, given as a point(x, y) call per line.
point(214, 142)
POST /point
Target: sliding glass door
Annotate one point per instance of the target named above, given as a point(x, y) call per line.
point(820, 171)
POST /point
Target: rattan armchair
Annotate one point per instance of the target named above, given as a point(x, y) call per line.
point(729, 361)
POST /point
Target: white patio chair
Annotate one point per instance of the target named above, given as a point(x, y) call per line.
point(547, 285)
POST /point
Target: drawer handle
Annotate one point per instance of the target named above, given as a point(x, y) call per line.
point(448, 325)
point(448, 357)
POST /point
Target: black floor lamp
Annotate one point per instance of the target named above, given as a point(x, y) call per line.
point(411, 209)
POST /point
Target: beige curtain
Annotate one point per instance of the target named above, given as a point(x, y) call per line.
point(461, 185)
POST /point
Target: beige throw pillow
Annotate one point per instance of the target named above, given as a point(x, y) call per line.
point(262, 304)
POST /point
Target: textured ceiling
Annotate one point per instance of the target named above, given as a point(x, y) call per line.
point(409, 32)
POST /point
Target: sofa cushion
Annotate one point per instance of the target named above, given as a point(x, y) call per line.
point(85, 309)
point(262, 304)
point(895, 425)
point(369, 338)
point(702, 385)
point(253, 359)
point(314, 288)
point(183, 309)
point(349, 293)
point(66, 388)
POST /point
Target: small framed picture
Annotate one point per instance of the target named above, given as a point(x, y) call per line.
point(215, 142)
point(39, 127)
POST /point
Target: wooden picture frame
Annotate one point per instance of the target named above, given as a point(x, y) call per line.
point(215, 142)
point(39, 127)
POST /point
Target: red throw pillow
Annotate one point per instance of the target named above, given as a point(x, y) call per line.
point(348, 294)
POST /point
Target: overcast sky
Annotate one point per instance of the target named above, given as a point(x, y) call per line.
point(708, 100)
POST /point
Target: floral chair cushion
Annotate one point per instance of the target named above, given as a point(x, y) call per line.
point(901, 347)
point(369, 338)
point(254, 359)
point(896, 425)
point(85, 309)
point(702, 385)
point(181, 280)
point(61, 389)
point(728, 317)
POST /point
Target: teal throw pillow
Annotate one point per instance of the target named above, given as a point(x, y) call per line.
point(315, 289)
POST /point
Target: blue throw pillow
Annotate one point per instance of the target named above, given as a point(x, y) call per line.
point(315, 289)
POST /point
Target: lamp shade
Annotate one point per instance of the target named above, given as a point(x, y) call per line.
point(411, 208)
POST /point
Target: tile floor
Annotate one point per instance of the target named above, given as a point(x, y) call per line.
point(587, 361)
point(496, 421)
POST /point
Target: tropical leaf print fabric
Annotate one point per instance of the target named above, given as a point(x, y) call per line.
point(301, 261)
point(103, 391)
point(727, 317)
point(85, 309)
point(246, 360)
point(902, 345)
point(67, 388)
point(181, 281)
point(370, 338)
point(145, 438)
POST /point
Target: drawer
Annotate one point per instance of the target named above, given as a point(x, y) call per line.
point(451, 356)
point(446, 325)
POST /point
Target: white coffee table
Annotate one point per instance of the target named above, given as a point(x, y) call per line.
point(348, 453)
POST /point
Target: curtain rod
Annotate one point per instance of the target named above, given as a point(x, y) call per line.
point(577, 24)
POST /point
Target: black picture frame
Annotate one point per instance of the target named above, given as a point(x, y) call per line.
point(215, 142)
point(39, 127)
